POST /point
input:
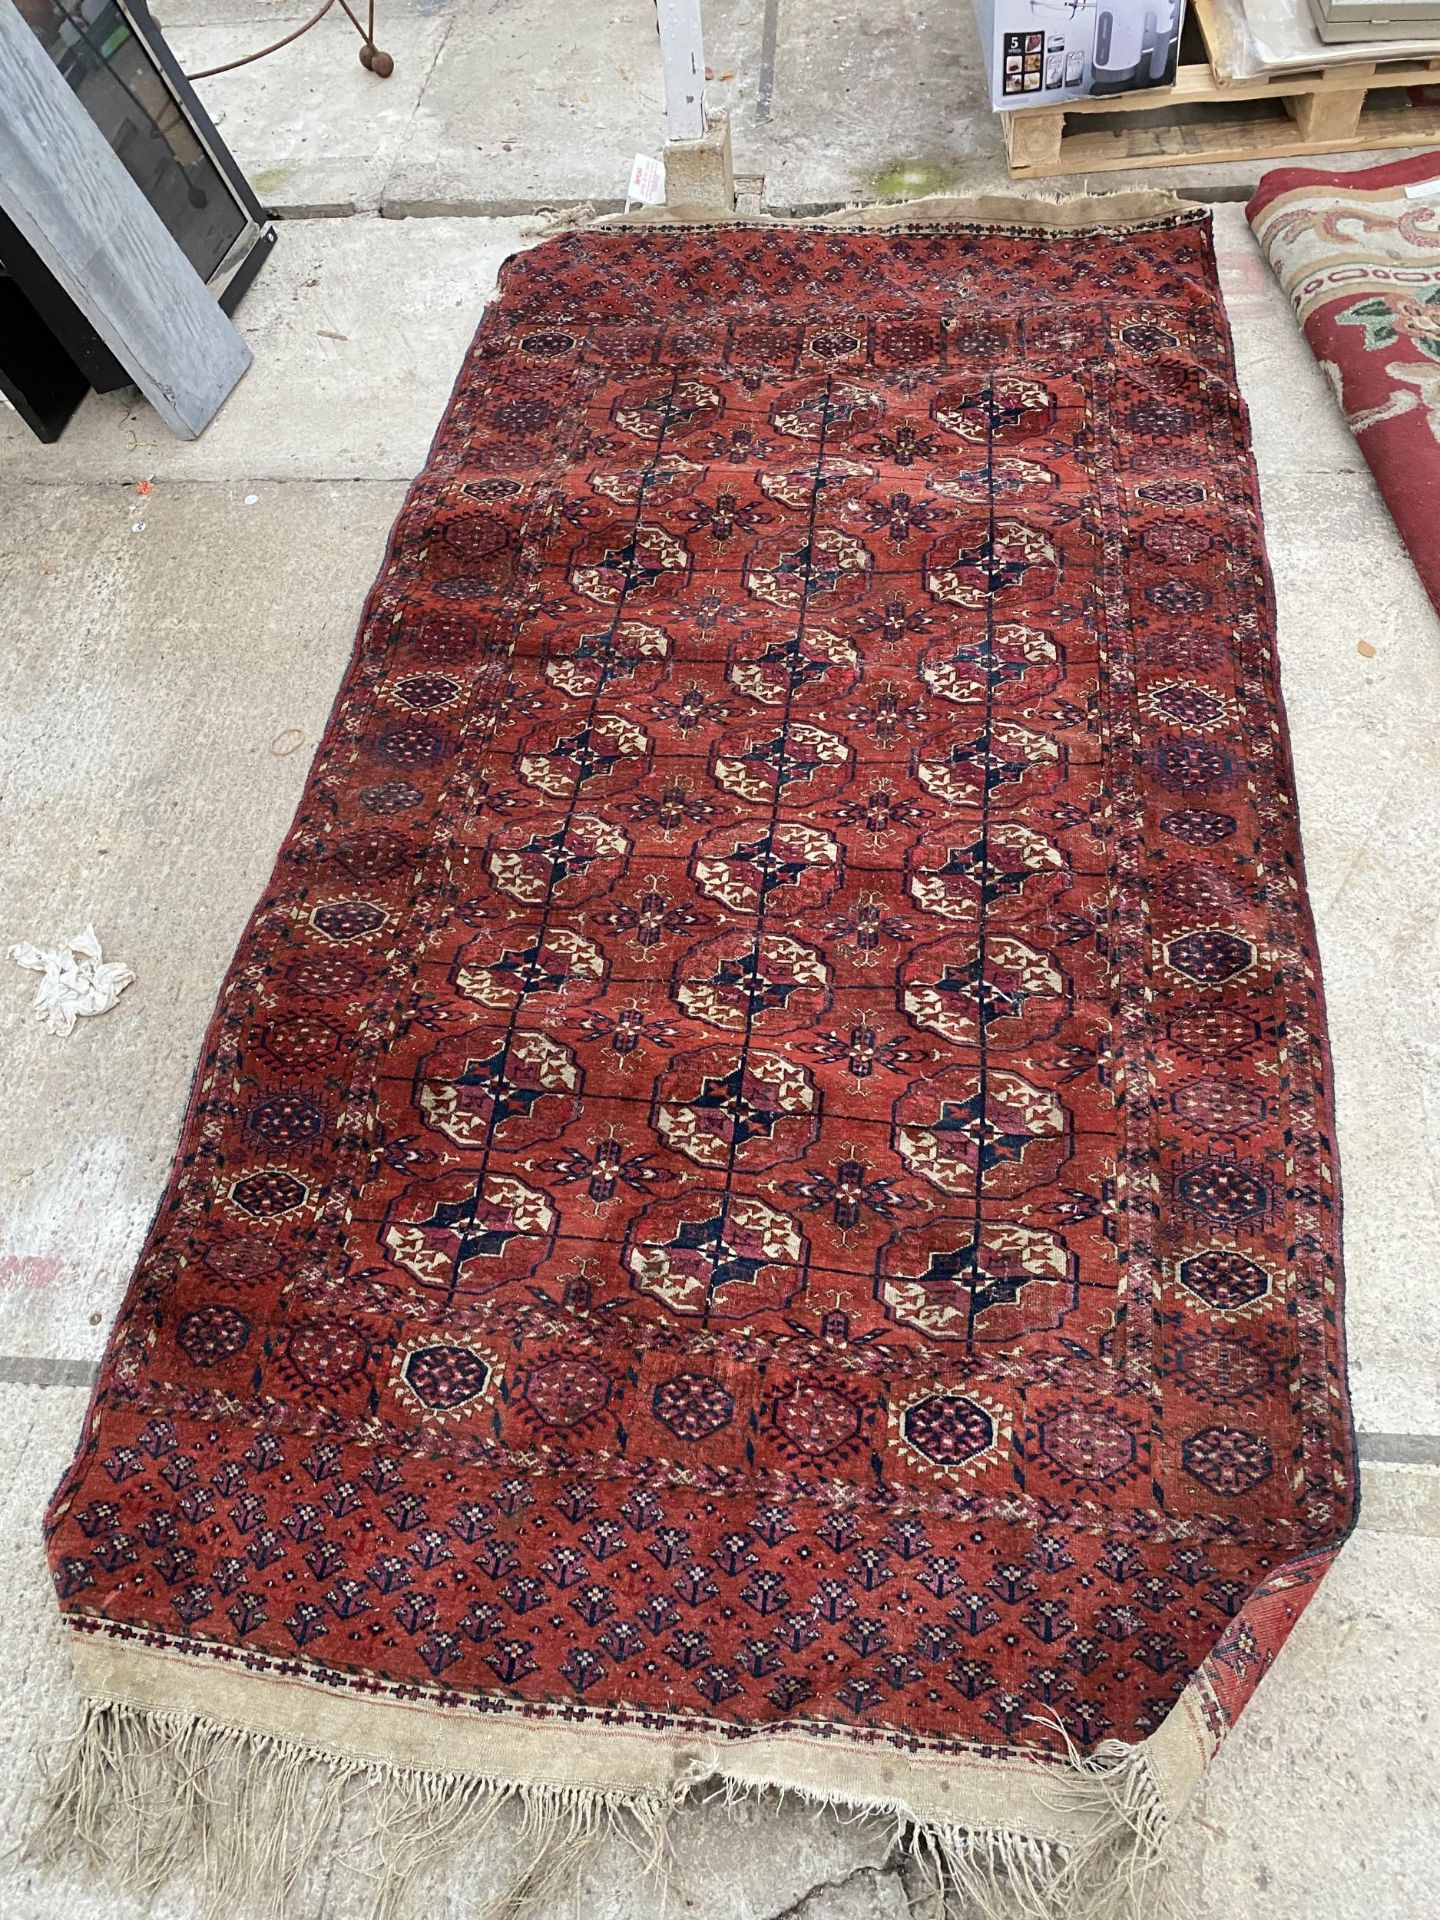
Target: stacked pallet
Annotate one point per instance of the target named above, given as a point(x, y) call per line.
point(1211, 113)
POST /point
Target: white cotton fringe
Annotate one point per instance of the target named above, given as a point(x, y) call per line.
point(257, 1827)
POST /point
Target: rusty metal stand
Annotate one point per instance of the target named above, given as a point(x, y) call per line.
point(374, 58)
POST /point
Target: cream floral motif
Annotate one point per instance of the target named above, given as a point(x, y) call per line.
point(1425, 379)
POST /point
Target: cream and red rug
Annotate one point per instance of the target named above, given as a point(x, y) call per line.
point(1359, 256)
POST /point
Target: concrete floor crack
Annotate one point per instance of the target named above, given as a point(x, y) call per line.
point(872, 1871)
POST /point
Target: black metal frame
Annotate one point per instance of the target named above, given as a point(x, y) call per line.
point(137, 12)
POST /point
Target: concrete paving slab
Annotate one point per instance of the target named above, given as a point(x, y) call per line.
point(1400, 1499)
point(1366, 735)
point(501, 107)
point(544, 104)
point(1325, 1800)
point(163, 694)
point(1295, 424)
point(314, 132)
point(874, 102)
point(358, 328)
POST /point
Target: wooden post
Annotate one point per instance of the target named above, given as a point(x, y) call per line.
point(682, 61)
point(1032, 139)
point(104, 243)
point(1332, 115)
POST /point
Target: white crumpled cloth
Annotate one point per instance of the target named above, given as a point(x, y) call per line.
point(76, 979)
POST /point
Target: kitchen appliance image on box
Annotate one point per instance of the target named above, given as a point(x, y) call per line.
point(1039, 53)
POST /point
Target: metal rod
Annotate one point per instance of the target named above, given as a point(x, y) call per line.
point(682, 62)
point(275, 46)
point(378, 63)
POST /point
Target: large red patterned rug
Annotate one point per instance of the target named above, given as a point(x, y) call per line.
point(759, 1206)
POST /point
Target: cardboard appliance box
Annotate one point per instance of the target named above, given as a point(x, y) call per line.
point(1039, 53)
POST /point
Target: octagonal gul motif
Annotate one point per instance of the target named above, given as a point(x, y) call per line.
point(566, 1391)
point(771, 669)
point(1010, 657)
point(641, 563)
point(963, 764)
point(987, 408)
point(342, 920)
point(656, 482)
point(969, 1129)
point(268, 1193)
point(692, 1406)
point(948, 1280)
point(719, 1255)
point(1228, 1460)
point(826, 568)
point(500, 1087)
point(1212, 1032)
point(668, 409)
point(300, 1039)
point(1217, 1106)
point(1228, 1192)
point(966, 870)
point(835, 411)
point(1004, 993)
point(992, 565)
point(1199, 826)
point(469, 1236)
point(832, 481)
point(1210, 957)
point(1005, 476)
point(372, 854)
point(542, 966)
point(211, 1335)
point(444, 1380)
point(561, 863)
point(326, 1356)
point(797, 765)
point(783, 869)
point(624, 656)
point(1188, 704)
point(605, 753)
point(1224, 1279)
point(1221, 1369)
point(819, 1419)
point(736, 1108)
point(1089, 1444)
point(949, 1434)
point(742, 982)
point(243, 1262)
point(286, 1120)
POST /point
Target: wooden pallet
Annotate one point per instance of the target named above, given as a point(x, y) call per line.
point(1210, 115)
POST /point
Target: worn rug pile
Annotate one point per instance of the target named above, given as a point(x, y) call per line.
point(759, 1207)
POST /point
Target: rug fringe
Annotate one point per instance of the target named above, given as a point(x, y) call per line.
point(1045, 212)
point(251, 1823)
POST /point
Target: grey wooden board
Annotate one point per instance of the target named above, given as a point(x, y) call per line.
point(105, 244)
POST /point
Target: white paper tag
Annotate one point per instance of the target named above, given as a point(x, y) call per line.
point(1423, 190)
point(647, 183)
